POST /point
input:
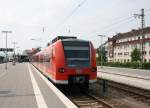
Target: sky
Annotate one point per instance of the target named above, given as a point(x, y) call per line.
point(85, 19)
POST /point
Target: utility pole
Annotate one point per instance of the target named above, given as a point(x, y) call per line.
point(14, 49)
point(101, 47)
point(6, 32)
point(142, 41)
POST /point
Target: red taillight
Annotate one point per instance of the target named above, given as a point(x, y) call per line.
point(94, 69)
point(61, 70)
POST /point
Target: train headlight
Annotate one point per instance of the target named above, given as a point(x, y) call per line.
point(94, 69)
point(61, 70)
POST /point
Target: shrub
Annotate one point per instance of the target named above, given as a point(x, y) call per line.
point(146, 65)
point(134, 65)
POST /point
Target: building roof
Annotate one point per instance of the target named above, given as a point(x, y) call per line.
point(133, 32)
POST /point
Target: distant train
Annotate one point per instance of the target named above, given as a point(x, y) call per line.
point(68, 60)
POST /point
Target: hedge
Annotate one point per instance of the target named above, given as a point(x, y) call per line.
point(134, 65)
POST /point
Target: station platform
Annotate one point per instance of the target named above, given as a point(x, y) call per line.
point(22, 86)
point(133, 77)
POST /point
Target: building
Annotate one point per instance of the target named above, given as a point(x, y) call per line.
point(31, 52)
point(1, 59)
point(120, 46)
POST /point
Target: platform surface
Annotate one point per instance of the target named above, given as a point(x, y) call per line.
point(133, 77)
point(22, 87)
point(126, 71)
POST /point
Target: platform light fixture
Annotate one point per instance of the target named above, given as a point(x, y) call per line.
point(6, 32)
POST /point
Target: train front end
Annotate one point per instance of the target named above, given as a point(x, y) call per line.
point(79, 66)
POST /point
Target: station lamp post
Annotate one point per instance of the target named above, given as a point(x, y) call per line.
point(36, 40)
point(101, 48)
point(17, 53)
point(17, 49)
point(14, 43)
point(6, 32)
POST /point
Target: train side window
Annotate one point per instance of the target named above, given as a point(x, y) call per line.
point(50, 63)
point(51, 52)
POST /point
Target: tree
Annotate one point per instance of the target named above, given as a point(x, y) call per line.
point(103, 53)
point(135, 55)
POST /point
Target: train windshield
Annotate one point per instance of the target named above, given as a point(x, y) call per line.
point(77, 56)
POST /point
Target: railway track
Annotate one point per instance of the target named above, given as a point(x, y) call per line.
point(92, 99)
point(85, 100)
point(135, 93)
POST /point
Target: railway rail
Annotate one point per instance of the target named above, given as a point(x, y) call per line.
point(85, 100)
point(91, 98)
point(133, 92)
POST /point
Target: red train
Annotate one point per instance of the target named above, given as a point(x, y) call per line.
point(68, 60)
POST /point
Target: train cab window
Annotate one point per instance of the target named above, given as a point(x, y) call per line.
point(77, 53)
point(77, 56)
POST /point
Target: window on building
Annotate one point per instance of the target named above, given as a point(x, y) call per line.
point(124, 60)
point(120, 53)
point(144, 52)
point(126, 53)
point(139, 38)
point(128, 60)
point(145, 60)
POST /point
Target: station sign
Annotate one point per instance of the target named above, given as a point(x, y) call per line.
point(8, 49)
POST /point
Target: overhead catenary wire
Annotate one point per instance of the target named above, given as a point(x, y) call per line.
point(110, 29)
point(119, 20)
point(119, 25)
point(71, 14)
point(111, 25)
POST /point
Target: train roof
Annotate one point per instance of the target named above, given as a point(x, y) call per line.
point(63, 37)
point(76, 40)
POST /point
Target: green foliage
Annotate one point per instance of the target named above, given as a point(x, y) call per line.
point(134, 65)
point(103, 53)
point(135, 55)
point(146, 65)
